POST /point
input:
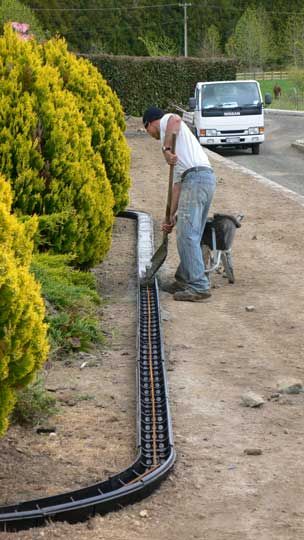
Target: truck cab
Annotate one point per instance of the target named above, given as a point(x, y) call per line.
point(228, 114)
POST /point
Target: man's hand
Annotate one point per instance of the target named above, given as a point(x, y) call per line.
point(170, 158)
point(168, 227)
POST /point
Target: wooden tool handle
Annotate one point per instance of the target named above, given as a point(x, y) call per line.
point(169, 195)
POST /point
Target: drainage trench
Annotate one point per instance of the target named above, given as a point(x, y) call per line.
point(156, 453)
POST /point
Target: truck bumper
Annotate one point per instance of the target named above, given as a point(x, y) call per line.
point(233, 140)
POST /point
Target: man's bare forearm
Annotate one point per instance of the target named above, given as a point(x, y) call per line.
point(175, 198)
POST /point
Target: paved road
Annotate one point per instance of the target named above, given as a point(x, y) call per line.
point(277, 160)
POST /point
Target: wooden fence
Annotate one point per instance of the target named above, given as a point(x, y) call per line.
point(263, 75)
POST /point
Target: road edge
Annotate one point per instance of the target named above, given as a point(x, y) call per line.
point(288, 193)
point(298, 144)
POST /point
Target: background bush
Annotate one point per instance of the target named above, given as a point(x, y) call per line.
point(142, 81)
point(34, 405)
point(23, 343)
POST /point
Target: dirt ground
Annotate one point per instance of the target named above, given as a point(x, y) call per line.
point(215, 352)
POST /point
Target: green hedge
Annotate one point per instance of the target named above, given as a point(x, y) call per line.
point(142, 81)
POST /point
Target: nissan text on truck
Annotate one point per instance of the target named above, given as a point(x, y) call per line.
point(228, 114)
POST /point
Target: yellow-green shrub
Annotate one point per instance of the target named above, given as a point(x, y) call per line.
point(46, 153)
point(23, 342)
point(102, 112)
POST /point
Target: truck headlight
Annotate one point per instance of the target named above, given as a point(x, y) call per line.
point(254, 131)
point(211, 132)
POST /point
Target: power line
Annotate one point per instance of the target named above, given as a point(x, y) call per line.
point(155, 6)
point(106, 31)
point(136, 8)
point(132, 7)
point(125, 8)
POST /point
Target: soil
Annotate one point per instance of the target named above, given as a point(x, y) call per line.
point(239, 473)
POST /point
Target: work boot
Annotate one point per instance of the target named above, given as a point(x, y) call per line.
point(171, 286)
point(188, 295)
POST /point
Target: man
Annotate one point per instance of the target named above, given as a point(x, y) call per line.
point(193, 189)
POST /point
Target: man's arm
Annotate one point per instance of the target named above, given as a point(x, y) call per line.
point(176, 189)
point(173, 126)
point(174, 205)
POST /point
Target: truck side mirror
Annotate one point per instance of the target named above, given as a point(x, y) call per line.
point(268, 98)
point(192, 104)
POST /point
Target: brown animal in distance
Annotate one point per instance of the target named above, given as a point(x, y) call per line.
point(277, 90)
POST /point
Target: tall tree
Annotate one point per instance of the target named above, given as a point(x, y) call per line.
point(294, 37)
point(117, 25)
point(159, 45)
point(252, 42)
point(114, 26)
point(212, 42)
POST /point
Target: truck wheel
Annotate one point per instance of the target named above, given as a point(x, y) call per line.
point(256, 149)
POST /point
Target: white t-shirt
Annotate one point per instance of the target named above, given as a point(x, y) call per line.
point(188, 150)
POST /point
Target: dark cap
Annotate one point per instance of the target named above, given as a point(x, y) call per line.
point(153, 113)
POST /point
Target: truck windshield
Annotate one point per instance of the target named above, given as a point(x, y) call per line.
point(230, 95)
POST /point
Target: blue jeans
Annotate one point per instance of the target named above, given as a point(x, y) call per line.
point(195, 198)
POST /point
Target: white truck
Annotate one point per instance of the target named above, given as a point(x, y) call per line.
point(228, 114)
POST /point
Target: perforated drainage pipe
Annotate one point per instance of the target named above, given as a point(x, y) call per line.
point(156, 453)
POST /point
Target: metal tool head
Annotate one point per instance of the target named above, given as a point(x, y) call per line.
point(146, 281)
point(155, 263)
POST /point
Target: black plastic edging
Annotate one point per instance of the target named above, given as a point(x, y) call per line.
point(156, 453)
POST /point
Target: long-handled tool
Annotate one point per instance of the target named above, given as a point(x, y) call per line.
point(160, 254)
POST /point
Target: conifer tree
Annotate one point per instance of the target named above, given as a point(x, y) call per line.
point(23, 342)
point(56, 136)
point(102, 113)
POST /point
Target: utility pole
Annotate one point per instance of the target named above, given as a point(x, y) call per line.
point(185, 6)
